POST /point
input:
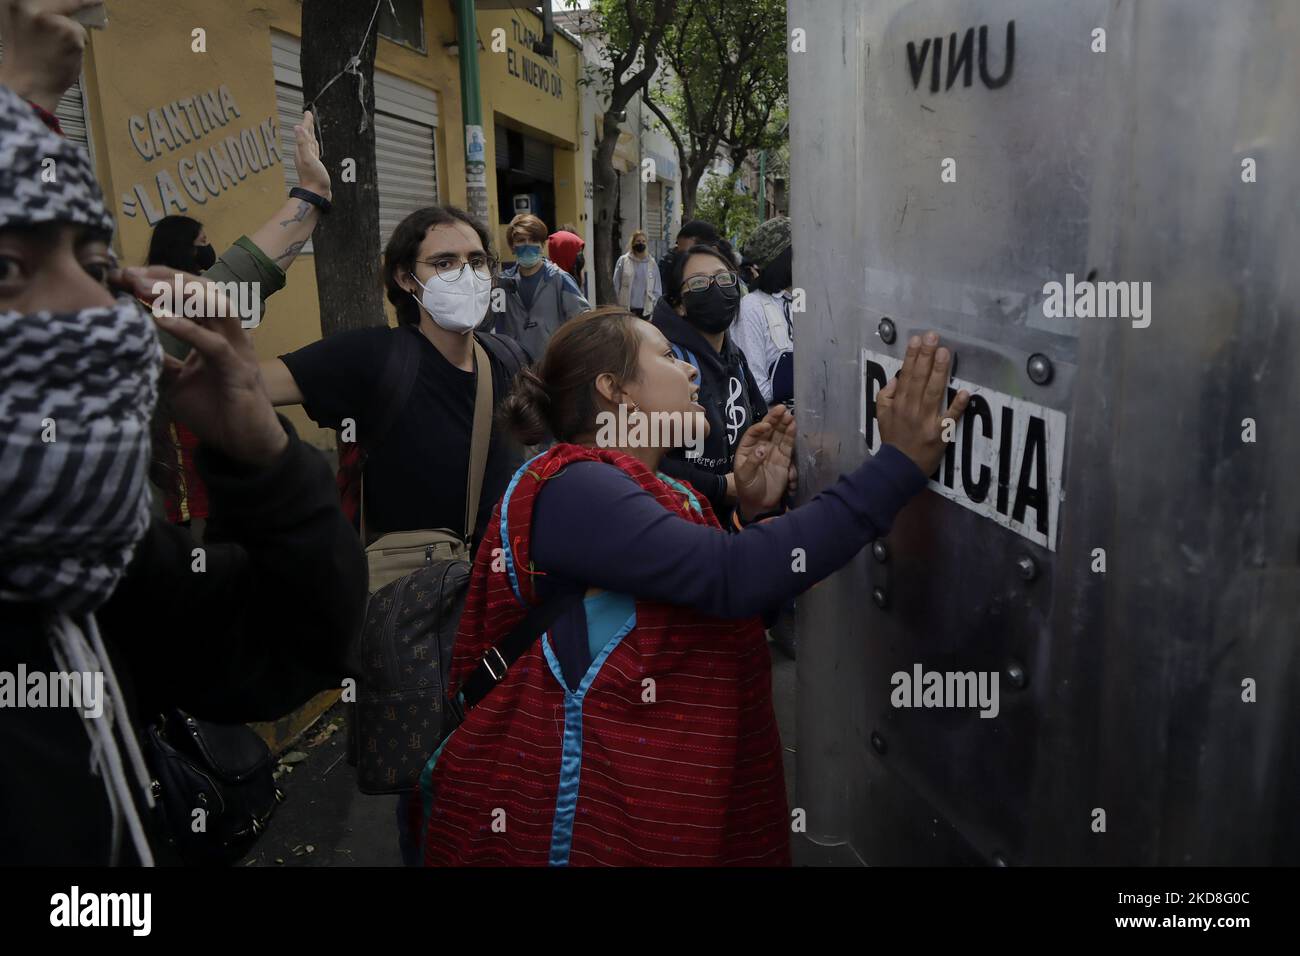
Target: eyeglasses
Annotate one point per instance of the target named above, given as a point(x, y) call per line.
point(449, 268)
point(724, 280)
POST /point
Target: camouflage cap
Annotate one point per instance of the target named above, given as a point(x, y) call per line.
point(768, 241)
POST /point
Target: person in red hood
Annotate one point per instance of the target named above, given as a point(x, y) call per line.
point(565, 250)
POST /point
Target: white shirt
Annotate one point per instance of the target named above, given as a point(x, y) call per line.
point(627, 271)
point(763, 332)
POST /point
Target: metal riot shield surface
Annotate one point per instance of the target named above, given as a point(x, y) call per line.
point(1115, 531)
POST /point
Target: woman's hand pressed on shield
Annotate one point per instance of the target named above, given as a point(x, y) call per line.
point(909, 409)
point(217, 392)
point(764, 462)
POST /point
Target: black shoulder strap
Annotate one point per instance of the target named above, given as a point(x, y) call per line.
point(499, 658)
point(395, 384)
point(506, 351)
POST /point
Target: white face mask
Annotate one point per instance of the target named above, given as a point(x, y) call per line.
point(456, 306)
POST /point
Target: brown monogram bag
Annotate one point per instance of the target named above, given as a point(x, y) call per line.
point(401, 710)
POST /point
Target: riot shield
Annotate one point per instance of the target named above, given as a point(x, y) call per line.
point(1096, 206)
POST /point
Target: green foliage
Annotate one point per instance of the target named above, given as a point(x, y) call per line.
point(734, 213)
point(778, 157)
point(625, 25)
point(732, 68)
point(727, 76)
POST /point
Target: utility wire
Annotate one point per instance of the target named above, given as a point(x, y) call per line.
point(351, 67)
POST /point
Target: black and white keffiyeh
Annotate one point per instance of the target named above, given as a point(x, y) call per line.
point(78, 392)
point(44, 177)
point(76, 398)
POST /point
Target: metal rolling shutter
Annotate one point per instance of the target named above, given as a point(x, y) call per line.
point(538, 160)
point(288, 98)
point(72, 116)
point(406, 116)
point(407, 173)
point(501, 145)
point(288, 104)
point(654, 212)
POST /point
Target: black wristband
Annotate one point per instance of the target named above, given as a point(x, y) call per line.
point(306, 195)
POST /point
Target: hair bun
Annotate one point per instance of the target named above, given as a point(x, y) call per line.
point(523, 412)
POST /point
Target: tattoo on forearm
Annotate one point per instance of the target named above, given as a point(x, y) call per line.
point(292, 251)
point(304, 208)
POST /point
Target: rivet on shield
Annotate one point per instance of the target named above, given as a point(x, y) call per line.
point(1016, 674)
point(880, 550)
point(1027, 567)
point(886, 331)
point(879, 596)
point(878, 742)
point(999, 859)
point(1039, 368)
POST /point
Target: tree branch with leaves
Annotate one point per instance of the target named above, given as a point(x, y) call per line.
point(632, 33)
point(730, 73)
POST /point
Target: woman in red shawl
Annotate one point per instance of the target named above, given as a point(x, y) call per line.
point(639, 729)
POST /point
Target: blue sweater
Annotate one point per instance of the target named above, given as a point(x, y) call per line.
point(594, 525)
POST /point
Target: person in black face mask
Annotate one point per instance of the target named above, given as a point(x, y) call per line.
point(637, 285)
point(180, 242)
point(701, 301)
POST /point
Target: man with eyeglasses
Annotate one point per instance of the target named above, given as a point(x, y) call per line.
point(700, 302)
point(415, 429)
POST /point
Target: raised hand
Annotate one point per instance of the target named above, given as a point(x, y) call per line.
point(217, 392)
point(312, 174)
point(764, 462)
point(43, 48)
point(909, 409)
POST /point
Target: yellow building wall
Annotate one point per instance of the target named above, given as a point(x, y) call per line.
point(519, 90)
point(145, 61)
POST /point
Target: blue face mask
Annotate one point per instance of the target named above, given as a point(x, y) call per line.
point(528, 256)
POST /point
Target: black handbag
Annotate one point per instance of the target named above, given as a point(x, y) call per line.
point(215, 785)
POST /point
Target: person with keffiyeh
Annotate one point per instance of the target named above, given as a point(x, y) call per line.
point(44, 60)
point(89, 581)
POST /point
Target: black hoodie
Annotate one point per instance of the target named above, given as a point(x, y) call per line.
point(262, 630)
point(732, 402)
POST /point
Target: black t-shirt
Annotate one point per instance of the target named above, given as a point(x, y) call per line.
point(415, 478)
point(528, 287)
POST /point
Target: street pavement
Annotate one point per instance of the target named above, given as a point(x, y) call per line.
point(326, 821)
